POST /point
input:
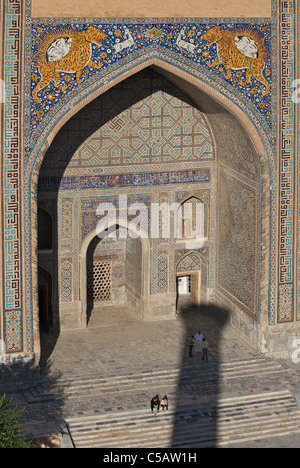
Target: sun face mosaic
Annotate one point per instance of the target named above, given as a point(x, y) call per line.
point(67, 56)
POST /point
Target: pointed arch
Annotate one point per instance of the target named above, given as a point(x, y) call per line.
point(213, 93)
point(145, 264)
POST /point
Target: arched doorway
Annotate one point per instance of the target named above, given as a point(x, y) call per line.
point(45, 230)
point(115, 271)
point(220, 118)
point(191, 276)
point(45, 299)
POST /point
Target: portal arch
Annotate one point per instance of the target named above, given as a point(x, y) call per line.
point(235, 110)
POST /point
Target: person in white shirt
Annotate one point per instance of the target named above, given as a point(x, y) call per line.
point(198, 342)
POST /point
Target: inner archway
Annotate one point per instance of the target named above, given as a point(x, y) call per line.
point(115, 271)
point(115, 286)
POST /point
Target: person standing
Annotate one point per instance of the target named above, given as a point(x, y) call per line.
point(198, 342)
point(204, 349)
point(191, 342)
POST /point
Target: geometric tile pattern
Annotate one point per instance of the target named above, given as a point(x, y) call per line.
point(287, 149)
point(236, 152)
point(142, 120)
point(67, 213)
point(162, 272)
point(182, 39)
point(190, 262)
point(238, 241)
point(66, 289)
point(285, 303)
point(13, 331)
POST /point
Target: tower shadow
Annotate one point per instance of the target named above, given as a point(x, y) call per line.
point(196, 402)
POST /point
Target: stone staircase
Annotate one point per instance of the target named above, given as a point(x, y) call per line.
point(197, 425)
point(193, 378)
point(113, 411)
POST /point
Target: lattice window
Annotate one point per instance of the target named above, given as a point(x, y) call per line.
point(99, 282)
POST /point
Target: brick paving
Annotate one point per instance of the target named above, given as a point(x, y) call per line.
point(111, 369)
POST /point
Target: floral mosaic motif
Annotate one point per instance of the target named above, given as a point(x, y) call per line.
point(66, 56)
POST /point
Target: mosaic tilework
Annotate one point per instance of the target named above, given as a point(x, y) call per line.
point(13, 324)
point(190, 262)
point(90, 219)
point(238, 234)
point(124, 180)
point(67, 212)
point(118, 271)
point(235, 150)
point(199, 253)
point(162, 272)
point(285, 302)
point(12, 151)
point(286, 163)
point(142, 120)
point(284, 292)
point(66, 276)
point(104, 44)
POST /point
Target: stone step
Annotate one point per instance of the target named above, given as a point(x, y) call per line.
point(197, 436)
point(207, 406)
point(199, 424)
point(81, 386)
point(169, 423)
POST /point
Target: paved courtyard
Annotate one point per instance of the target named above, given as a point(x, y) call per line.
point(118, 363)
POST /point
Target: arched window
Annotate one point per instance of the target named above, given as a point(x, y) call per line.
point(45, 230)
point(192, 220)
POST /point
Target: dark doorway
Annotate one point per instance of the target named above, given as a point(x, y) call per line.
point(45, 300)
